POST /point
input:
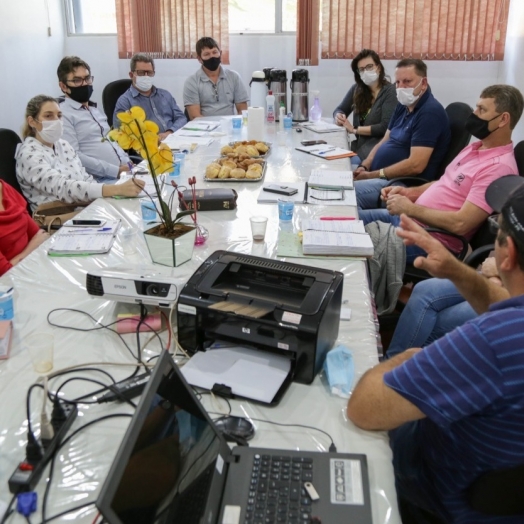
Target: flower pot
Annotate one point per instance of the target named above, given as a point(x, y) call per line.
point(171, 250)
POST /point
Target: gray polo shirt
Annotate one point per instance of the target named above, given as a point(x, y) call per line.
point(85, 129)
point(200, 90)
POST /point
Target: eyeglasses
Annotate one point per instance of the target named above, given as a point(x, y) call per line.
point(77, 81)
point(140, 72)
point(369, 67)
point(215, 88)
point(493, 223)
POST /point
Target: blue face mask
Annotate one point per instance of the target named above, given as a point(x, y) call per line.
point(340, 371)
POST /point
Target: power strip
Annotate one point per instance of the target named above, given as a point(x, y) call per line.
point(27, 474)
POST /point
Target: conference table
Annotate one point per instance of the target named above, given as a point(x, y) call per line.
point(56, 286)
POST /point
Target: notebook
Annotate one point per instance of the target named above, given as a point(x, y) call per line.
point(326, 151)
point(330, 179)
point(174, 466)
point(322, 127)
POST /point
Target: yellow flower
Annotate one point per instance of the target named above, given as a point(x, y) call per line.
point(135, 113)
point(123, 140)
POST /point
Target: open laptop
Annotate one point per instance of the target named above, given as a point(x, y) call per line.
point(174, 466)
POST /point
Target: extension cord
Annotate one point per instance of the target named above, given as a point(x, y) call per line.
point(27, 474)
point(126, 389)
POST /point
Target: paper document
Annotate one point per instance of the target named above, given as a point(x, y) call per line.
point(184, 143)
point(149, 188)
point(200, 125)
point(340, 226)
point(330, 179)
point(248, 372)
point(336, 243)
point(328, 197)
point(326, 151)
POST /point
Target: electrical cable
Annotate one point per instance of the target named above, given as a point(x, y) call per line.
point(9, 510)
point(28, 407)
point(52, 464)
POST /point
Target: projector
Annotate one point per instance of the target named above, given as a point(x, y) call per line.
point(154, 286)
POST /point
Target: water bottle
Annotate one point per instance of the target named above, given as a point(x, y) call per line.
point(316, 111)
point(270, 107)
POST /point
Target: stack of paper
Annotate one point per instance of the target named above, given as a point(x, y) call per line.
point(84, 241)
point(336, 237)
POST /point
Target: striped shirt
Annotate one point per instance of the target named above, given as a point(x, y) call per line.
point(470, 386)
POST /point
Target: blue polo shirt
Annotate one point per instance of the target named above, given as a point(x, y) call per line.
point(470, 386)
point(426, 126)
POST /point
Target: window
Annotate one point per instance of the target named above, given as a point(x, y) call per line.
point(90, 17)
point(426, 29)
point(262, 16)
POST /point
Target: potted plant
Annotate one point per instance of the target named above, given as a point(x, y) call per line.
point(171, 242)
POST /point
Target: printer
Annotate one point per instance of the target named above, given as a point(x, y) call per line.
point(274, 306)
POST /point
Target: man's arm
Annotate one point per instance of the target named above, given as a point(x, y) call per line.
point(193, 111)
point(480, 292)
point(367, 163)
point(241, 106)
point(460, 222)
point(375, 406)
point(178, 119)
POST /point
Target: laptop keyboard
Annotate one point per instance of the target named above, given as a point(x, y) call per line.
point(277, 491)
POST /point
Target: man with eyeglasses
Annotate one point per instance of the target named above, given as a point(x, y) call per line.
point(455, 407)
point(85, 127)
point(158, 104)
point(213, 90)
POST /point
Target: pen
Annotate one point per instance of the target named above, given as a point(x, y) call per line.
point(130, 165)
point(323, 152)
point(337, 218)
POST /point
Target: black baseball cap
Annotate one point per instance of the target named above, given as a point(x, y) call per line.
point(506, 196)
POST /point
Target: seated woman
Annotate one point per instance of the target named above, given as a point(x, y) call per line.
point(19, 233)
point(434, 308)
point(49, 169)
point(372, 100)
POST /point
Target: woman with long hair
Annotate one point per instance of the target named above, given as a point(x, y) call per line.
point(372, 100)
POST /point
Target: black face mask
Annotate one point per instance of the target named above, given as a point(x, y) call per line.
point(80, 94)
point(478, 127)
point(212, 63)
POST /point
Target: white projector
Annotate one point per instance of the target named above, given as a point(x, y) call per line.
point(155, 286)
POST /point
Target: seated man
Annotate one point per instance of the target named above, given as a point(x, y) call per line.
point(85, 127)
point(457, 405)
point(416, 140)
point(159, 104)
point(457, 201)
point(213, 90)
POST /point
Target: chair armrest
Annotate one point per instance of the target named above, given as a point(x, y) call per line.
point(465, 245)
point(477, 256)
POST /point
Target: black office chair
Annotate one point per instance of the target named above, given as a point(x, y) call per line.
point(519, 157)
point(110, 95)
point(8, 142)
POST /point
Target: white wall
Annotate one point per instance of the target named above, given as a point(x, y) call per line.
point(29, 56)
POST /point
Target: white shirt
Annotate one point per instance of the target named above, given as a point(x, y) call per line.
point(46, 174)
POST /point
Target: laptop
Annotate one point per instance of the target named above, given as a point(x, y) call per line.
point(174, 466)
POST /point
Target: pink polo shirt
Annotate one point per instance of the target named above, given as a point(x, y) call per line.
point(466, 179)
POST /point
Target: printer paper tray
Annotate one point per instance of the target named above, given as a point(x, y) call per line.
point(250, 373)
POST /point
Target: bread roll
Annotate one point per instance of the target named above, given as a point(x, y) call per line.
point(261, 147)
point(237, 173)
point(212, 170)
point(224, 172)
point(226, 149)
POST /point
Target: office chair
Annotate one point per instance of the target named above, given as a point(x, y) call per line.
point(519, 157)
point(9, 140)
point(111, 94)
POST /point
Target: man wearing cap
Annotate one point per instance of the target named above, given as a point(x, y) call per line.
point(456, 407)
point(457, 202)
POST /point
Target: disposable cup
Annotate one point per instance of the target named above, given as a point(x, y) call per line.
point(6, 303)
point(258, 228)
point(129, 240)
point(282, 138)
point(285, 210)
point(41, 348)
point(237, 123)
point(244, 117)
point(148, 210)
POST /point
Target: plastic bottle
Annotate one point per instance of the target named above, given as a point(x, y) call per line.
point(270, 107)
point(281, 115)
point(316, 111)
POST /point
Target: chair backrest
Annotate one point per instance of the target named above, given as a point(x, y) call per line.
point(457, 113)
point(110, 95)
point(519, 157)
point(8, 142)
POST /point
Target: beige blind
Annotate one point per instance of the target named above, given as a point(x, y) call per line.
point(427, 29)
point(170, 28)
point(308, 13)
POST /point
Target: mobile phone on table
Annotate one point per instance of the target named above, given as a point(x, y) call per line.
point(85, 222)
point(281, 190)
point(312, 142)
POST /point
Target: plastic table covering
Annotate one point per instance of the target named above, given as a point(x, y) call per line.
point(43, 284)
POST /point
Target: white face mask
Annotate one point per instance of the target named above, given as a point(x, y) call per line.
point(405, 95)
point(51, 130)
point(369, 77)
point(144, 83)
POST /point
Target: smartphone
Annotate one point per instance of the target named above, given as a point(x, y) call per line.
point(281, 190)
point(312, 142)
point(86, 222)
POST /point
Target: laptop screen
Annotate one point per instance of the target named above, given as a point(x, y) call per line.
point(165, 466)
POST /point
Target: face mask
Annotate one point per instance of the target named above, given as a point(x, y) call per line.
point(80, 94)
point(212, 63)
point(51, 130)
point(340, 370)
point(405, 95)
point(369, 77)
point(144, 83)
point(478, 127)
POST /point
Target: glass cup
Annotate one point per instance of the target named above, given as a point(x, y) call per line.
point(179, 161)
point(285, 210)
point(129, 240)
point(41, 349)
point(288, 122)
point(282, 138)
point(258, 228)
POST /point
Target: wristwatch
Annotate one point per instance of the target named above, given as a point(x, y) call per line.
point(382, 175)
